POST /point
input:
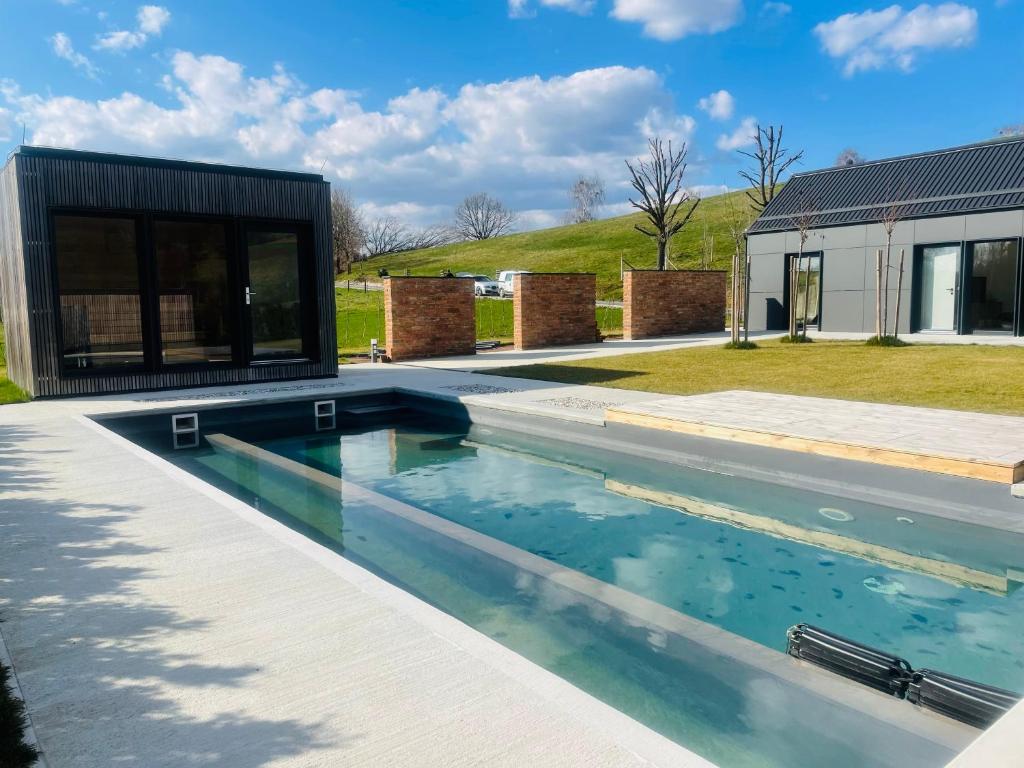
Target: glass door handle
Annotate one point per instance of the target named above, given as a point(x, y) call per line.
point(249, 293)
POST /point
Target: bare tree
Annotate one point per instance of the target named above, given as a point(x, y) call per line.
point(480, 217)
point(891, 215)
point(347, 231)
point(431, 237)
point(738, 223)
point(772, 160)
point(899, 294)
point(803, 222)
point(849, 156)
point(586, 195)
point(707, 243)
point(386, 235)
point(659, 182)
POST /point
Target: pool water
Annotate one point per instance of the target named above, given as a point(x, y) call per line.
point(933, 591)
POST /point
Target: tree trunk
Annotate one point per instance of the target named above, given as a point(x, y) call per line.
point(899, 294)
point(885, 285)
point(878, 294)
point(807, 292)
point(794, 288)
point(746, 290)
point(661, 253)
point(734, 324)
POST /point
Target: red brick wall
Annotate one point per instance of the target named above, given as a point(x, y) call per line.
point(672, 302)
point(429, 317)
point(554, 309)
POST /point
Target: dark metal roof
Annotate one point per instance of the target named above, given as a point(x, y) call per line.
point(973, 178)
point(159, 162)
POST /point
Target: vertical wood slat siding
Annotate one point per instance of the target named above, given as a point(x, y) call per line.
point(48, 182)
point(13, 289)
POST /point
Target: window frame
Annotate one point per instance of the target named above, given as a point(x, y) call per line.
point(231, 243)
point(307, 289)
point(788, 259)
point(144, 297)
point(236, 228)
point(967, 271)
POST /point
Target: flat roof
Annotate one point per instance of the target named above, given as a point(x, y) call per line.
point(160, 162)
point(972, 178)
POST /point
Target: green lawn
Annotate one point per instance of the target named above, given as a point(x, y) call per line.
point(360, 317)
point(593, 247)
point(968, 377)
point(9, 393)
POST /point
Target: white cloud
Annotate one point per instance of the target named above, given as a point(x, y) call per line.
point(719, 105)
point(6, 125)
point(673, 19)
point(581, 7)
point(150, 21)
point(743, 136)
point(893, 37)
point(63, 47)
point(520, 9)
point(523, 140)
point(772, 8)
point(523, 9)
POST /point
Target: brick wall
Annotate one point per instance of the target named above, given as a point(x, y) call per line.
point(554, 309)
point(429, 317)
point(672, 302)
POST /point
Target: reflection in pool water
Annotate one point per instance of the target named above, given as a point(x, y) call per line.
point(694, 553)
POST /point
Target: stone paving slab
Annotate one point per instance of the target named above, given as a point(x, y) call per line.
point(982, 446)
point(505, 357)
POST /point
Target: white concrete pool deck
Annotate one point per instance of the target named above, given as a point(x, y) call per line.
point(155, 621)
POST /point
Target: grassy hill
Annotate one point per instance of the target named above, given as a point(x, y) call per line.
point(593, 247)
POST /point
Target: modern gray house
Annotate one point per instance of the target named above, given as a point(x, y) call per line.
point(122, 273)
point(961, 224)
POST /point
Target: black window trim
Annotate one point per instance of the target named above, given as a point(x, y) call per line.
point(236, 227)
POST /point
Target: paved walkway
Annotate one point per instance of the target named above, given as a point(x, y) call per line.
point(992, 340)
point(978, 445)
point(502, 358)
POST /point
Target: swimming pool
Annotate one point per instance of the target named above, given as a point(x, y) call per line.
point(664, 591)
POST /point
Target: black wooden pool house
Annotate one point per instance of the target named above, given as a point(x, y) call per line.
point(123, 273)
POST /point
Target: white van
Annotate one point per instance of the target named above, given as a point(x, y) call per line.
point(505, 280)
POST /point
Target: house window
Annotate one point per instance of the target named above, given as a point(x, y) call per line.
point(806, 304)
point(195, 291)
point(808, 295)
point(992, 289)
point(98, 286)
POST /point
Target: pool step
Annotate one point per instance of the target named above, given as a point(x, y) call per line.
point(363, 411)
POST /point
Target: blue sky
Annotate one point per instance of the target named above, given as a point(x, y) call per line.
point(412, 105)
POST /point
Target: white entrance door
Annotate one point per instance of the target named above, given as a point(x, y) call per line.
point(938, 287)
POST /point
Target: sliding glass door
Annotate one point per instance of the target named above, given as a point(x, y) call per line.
point(194, 286)
point(276, 294)
point(147, 292)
